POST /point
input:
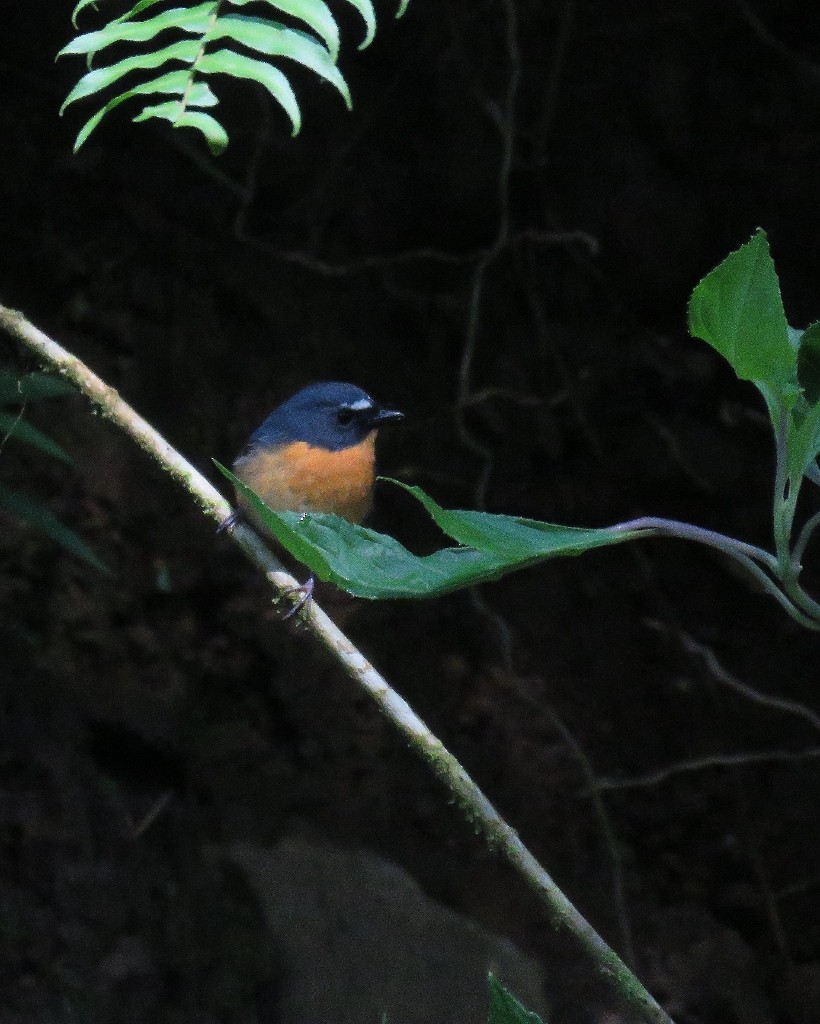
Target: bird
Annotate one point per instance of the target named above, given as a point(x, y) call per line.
point(316, 452)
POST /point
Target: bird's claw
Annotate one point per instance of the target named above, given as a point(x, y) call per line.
point(305, 592)
point(228, 523)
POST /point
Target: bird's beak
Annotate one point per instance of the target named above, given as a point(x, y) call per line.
point(381, 416)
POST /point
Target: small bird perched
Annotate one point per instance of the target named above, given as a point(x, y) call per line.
point(315, 453)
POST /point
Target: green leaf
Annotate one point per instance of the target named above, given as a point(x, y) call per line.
point(511, 537)
point(215, 134)
point(95, 81)
point(228, 62)
point(31, 387)
point(20, 430)
point(403, 5)
point(812, 472)
point(194, 20)
point(275, 40)
point(174, 82)
point(365, 8)
point(373, 565)
point(138, 8)
point(738, 310)
point(505, 1008)
point(802, 440)
point(365, 563)
point(79, 7)
point(314, 13)
point(808, 363)
point(44, 522)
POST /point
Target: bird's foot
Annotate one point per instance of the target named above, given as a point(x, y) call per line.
point(305, 594)
point(228, 523)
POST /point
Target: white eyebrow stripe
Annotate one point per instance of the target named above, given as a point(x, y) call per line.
point(361, 405)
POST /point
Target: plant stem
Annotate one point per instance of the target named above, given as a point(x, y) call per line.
point(183, 100)
point(794, 601)
point(687, 531)
point(802, 600)
point(784, 504)
point(468, 796)
point(803, 539)
point(786, 490)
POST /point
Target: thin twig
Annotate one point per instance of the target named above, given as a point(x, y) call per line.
point(761, 871)
point(699, 764)
point(725, 678)
point(557, 66)
point(808, 70)
point(468, 796)
point(325, 268)
point(607, 831)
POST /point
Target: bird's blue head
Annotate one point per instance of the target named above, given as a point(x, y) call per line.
point(330, 415)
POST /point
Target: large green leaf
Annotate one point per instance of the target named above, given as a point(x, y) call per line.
point(511, 537)
point(43, 521)
point(738, 310)
point(373, 565)
point(505, 1008)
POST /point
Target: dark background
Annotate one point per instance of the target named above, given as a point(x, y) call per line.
point(500, 239)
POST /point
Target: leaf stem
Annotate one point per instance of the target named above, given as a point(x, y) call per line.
point(183, 100)
point(792, 598)
point(803, 539)
point(784, 496)
point(784, 504)
point(687, 531)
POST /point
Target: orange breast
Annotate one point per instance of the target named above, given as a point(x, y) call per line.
point(299, 478)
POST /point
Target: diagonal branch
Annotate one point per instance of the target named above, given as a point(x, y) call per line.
point(468, 797)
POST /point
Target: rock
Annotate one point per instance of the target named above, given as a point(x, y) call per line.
point(359, 939)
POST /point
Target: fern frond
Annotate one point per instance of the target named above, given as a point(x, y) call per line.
point(248, 47)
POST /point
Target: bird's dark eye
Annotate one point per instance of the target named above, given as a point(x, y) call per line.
point(344, 417)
